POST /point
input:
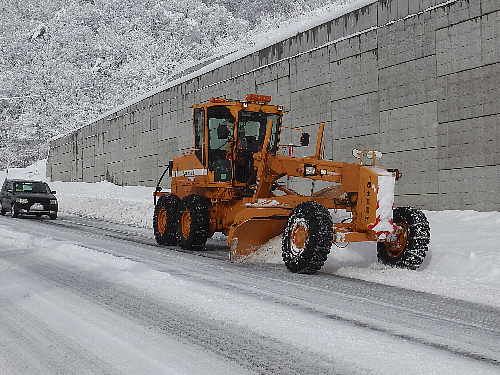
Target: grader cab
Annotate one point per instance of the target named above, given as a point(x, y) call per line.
point(231, 182)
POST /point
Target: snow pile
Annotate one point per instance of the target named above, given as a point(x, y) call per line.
point(131, 205)
point(463, 259)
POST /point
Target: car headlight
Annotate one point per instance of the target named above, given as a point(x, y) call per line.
point(53, 201)
point(22, 200)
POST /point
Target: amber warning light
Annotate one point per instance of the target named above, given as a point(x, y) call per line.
point(218, 100)
point(258, 98)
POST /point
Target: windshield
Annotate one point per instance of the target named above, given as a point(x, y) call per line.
point(31, 187)
point(252, 130)
point(231, 144)
point(250, 139)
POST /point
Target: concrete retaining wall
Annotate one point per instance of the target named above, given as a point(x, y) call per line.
point(415, 79)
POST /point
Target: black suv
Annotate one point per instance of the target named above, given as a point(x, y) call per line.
point(26, 197)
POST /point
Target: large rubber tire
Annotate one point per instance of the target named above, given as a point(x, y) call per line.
point(192, 222)
point(408, 246)
point(3, 211)
point(307, 238)
point(165, 219)
point(14, 210)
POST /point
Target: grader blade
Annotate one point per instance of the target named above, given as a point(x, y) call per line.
point(248, 236)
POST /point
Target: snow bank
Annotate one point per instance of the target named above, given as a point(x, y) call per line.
point(463, 259)
point(132, 205)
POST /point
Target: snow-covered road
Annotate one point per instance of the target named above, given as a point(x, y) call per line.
point(79, 299)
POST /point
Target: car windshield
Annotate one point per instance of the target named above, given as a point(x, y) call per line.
point(31, 187)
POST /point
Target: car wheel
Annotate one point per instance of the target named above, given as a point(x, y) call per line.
point(14, 210)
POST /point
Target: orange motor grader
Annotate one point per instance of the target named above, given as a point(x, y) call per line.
point(230, 183)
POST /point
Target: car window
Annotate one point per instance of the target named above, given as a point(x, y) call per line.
point(32, 187)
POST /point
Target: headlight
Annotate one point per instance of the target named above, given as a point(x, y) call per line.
point(53, 201)
point(309, 170)
point(22, 200)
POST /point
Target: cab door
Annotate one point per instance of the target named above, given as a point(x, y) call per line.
point(220, 140)
point(199, 134)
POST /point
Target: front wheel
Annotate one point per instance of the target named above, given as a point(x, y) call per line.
point(307, 238)
point(165, 219)
point(407, 247)
point(14, 210)
point(192, 222)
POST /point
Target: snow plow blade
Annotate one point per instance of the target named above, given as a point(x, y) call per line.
point(248, 236)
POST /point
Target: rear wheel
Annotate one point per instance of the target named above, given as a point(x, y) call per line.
point(407, 247)
point(193, 220)
point(307, 238)
point(165, 219)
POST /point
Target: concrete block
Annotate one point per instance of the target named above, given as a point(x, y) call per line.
point(407, 84)
point(489, 89)
point(356, 116)
point(354, 75)
point(387, 12)
point(457, 47)
point(463, 10)
point(488, 6)
point(404, 8)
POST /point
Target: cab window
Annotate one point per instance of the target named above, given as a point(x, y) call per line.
point(220, 142)
point(252, 128)
point(199, 133)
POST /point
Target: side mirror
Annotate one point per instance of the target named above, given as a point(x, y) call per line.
point(53, 192)
point(304, 139)
point(222, 132)
point(170, 169)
